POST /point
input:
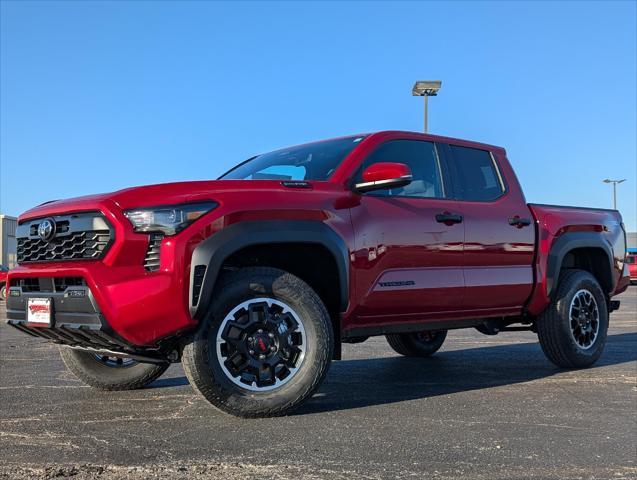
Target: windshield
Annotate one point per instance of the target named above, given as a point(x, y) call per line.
point(315, 161)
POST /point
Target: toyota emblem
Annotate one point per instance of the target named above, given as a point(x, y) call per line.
point(46, 229)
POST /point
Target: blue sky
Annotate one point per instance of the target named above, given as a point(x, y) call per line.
point(99, 96)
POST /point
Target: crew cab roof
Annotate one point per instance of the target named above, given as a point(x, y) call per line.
point(439, 138)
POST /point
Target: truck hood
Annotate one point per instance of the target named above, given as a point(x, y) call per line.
point(167, 194)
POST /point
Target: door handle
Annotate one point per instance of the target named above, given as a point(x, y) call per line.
point(519, 222)
point(448, 218)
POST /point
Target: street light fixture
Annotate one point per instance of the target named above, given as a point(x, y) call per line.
point(426, 88)
point(614, 182)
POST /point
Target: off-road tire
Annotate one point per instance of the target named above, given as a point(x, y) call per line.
point(200, 358)
point(91, 371)
point(412, 345)
point(554, 324)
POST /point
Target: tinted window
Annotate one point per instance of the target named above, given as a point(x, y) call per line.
point(477, 177)
point(420, 157)
point(314, 161)
point(630, 259)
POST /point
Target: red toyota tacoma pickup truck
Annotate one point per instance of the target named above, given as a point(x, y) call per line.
point(254, 280)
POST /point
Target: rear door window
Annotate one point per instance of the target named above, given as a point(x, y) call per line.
point(477, 175)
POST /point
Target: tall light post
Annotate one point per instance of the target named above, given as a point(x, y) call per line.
point(426, 88)
point(614, 182)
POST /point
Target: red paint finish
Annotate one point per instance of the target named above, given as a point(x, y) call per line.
point(400, 238)
point(498, 256)
point(385, 171)
point(405, 265)
point(554, 221)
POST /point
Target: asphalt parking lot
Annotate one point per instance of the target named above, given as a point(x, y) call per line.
point(484, 407)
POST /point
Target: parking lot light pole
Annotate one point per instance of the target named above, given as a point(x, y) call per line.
point(614, 182)
point(426, 88)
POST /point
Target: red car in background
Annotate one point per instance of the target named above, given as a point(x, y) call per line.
point(631, 260)
point(3, 282)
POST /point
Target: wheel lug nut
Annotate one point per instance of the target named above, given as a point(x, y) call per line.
point(251, 352)
point(261, 357)
point(260, 330)
point(272, 348)
point(271, 335)
point(250, 339)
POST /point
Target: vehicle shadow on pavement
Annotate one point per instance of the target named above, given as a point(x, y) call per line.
point(367, 382)
point(169, 382)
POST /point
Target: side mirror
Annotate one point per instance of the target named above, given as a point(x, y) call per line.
point(380, 176)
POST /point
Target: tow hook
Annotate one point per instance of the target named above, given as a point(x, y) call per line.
point(173, 356)
point(489, 327)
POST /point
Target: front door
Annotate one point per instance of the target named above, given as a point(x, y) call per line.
point(409, 242)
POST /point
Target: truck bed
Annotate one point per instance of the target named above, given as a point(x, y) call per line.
point(589, 228)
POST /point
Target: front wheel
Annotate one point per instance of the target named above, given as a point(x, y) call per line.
point(417, 344)
point(265, 346)
point(110, 373)
point(573, 328)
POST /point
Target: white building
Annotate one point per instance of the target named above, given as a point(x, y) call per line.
point(8, 243)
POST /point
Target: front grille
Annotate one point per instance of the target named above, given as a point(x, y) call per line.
point(77, 246)
point(47, 284)
point(82, 236)
point(152, 260)
point(28, 285)
point(62, 283)
point(60, 227)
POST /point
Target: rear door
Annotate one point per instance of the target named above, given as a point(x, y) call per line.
point(499, 232)
point(407, 261)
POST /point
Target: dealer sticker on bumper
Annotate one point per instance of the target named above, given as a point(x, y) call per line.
point(39, 312)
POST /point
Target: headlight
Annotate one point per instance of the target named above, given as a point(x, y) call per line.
point(168, 219)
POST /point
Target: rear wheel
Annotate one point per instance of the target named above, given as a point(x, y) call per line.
point(109, 372)
point(265, 347)
point(3, 291)
point(573, 328)
point(417, 344)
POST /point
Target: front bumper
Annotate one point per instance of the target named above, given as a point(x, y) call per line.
point(141, 308)
point(76, 318)
point(136, 307)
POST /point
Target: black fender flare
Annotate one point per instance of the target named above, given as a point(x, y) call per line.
point(571, 241)
point(209, 256)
